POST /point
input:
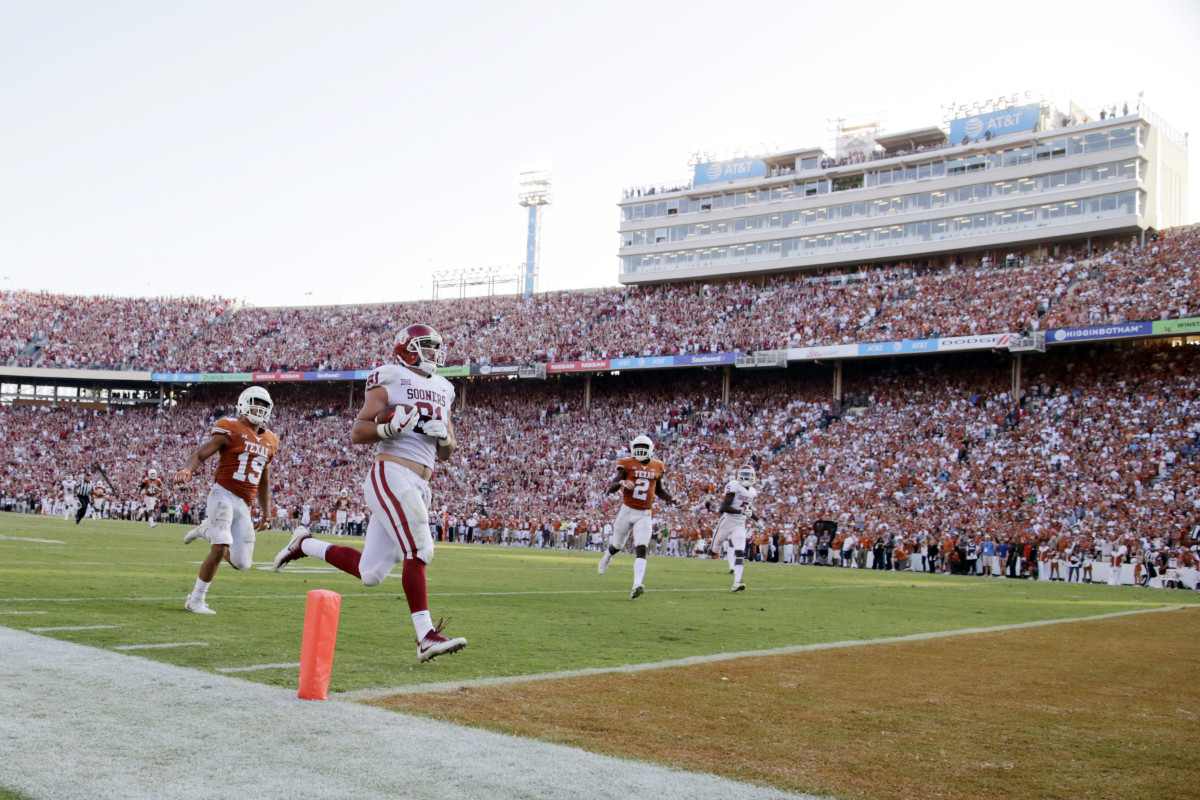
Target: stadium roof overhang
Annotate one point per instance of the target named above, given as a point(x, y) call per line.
point(911, 140)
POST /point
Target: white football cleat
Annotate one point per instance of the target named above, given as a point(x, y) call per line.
point(738, 587)
point(196, 533)
point(293, 550)
point(434, 644)
point(197, 606)
point(637, 592)
point(152, 523)
point(602, 567)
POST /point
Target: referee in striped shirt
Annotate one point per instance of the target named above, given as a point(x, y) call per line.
point(83, 491)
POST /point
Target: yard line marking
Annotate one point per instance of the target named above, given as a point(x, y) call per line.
point(24, 612)
point(73, 628)
point(449, 686)
point(257, 667)
point(27, 539)
point(157, 646)
point(63, 697)
point(387, 595)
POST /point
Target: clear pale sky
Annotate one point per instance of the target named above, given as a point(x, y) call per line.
point(303, 152)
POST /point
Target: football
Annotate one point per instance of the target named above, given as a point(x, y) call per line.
point(387, 412)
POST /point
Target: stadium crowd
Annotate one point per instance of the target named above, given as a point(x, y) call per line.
point(930, 462)
point(1123, 283)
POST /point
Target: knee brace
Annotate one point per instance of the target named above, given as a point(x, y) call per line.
point(639, 551)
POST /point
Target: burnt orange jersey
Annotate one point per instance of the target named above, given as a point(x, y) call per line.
point(645, 479)
point(244, 458)
point(342, 504)
point(152, 487)
point(99, 492)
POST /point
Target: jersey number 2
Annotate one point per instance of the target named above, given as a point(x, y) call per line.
point(641, 488)
point(250, 468)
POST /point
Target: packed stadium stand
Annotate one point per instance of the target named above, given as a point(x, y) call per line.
point(1121, 283)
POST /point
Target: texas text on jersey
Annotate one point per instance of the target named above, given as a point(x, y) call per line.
point(244, 458)
point(645, 478)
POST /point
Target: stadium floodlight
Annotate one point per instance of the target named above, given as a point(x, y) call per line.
point(534, 194)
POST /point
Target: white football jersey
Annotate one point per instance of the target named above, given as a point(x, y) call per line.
point(433, 397)
point(742, 497)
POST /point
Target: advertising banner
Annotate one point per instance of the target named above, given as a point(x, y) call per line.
point(226, 377)
point(895, 348)
point(1178, 327)
point(982, 341)
point(175, 377)
point(278, 376)
point(594, 365)
point(455, 371)
point(641, 363)
point(736, 169)
point(705, 359)
point(1125, 331)
point(1006, 120)
point(344, 375)
point(828, 351)
point(491, 369)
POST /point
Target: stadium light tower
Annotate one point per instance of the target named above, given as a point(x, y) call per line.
point(534, 193)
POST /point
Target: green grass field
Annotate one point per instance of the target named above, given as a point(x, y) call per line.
point(523, 611)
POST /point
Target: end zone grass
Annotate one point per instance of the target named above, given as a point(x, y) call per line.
point(1103, 709)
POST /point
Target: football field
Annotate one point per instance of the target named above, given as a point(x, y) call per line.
point(841, 683)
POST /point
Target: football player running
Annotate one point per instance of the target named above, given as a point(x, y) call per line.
point(735, 508)
point(243, 473)
point(397, 488)
point(151, 488)
point(640, 479)
point(341, 513)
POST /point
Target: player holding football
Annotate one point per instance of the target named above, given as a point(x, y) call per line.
point(735, 508)
point(243, 474)
point(397, 490)
point(640, 479)
point(151, 489)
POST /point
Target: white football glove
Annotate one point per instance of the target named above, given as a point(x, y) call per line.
point(398, 424)
point(438, 430)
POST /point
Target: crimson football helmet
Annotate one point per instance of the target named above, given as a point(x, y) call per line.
point(420, 346)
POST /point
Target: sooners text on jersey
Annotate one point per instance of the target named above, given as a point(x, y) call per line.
point(433, 396)
point(244, 458)
point(742, 497)
point(645, 479)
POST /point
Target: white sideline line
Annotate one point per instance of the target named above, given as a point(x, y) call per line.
point(28, 539)
point(157, 646)
point(72, 628)
point(257, 667)
point(252, 740)
point(24, 612)
point(449, 686)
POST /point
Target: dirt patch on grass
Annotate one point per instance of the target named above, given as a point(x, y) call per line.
point(1101, 709)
